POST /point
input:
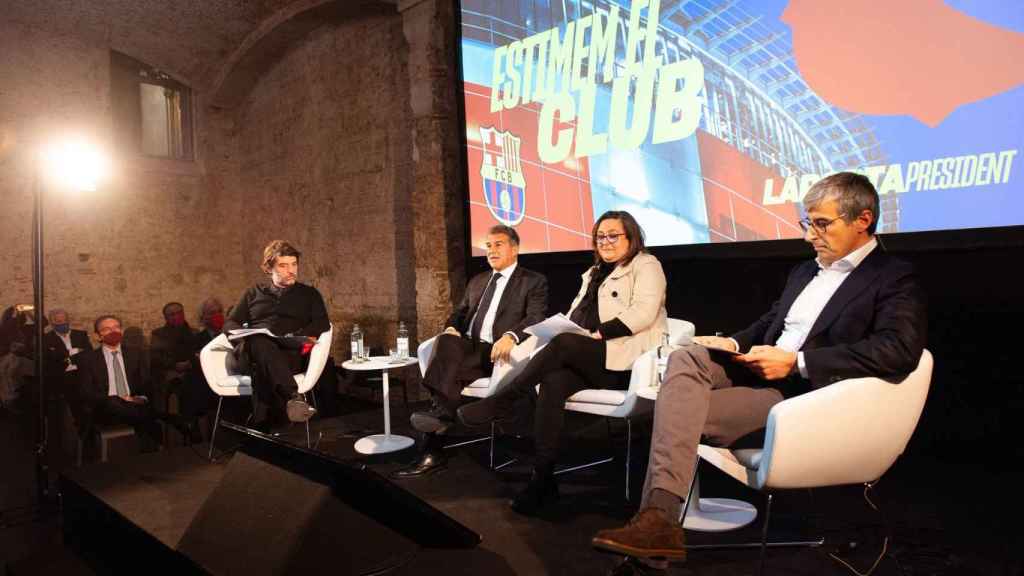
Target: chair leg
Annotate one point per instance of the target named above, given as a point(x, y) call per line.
point(493, 437)
point(764, 533)
point(629, 446)
point(689, 494)
point(213, 432)
point(309, 444)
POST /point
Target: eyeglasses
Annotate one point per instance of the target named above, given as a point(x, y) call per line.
point(607, 238)
point(820, 225)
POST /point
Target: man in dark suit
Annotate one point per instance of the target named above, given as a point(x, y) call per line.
point(489, 321)
point(61, 348)
point(853, 312)
point(63, 343)
point(112, 383)
point(171, 348)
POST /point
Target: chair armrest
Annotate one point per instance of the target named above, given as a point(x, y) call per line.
point(680, 332)
point(849, 432)
point(317, 360)
point(425, 353)
point(214, 359)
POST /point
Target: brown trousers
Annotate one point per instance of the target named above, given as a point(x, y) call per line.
point(704, 396)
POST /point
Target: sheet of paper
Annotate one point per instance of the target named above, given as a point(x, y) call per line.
point(546, 330)
point(246, 332)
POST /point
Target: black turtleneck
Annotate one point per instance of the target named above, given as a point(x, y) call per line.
point(586, 312)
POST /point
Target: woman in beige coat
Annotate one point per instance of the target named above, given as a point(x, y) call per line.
point(622, 304)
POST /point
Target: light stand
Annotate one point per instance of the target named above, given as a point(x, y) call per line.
point(76, 165)
point(42, 431)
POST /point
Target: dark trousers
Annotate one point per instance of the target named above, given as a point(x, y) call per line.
point(273, 367)
point(142, 417)
point(568, 364)
point(457, 362)
point(194, 395)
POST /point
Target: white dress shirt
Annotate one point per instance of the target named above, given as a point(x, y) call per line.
point(487, 328)
point(812, 300)
point(66, 339)
point(111, 383)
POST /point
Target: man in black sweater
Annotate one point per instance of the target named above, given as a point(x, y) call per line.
point(295, 314)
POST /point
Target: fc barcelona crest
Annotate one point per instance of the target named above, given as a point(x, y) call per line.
point(502, 171)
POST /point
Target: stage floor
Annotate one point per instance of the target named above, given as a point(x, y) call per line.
point(161, 492)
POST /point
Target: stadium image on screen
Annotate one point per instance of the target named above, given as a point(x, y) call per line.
point(709, 120)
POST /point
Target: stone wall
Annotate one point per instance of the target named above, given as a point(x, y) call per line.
point(138, 241)
point(320, 147)
point(346, 143)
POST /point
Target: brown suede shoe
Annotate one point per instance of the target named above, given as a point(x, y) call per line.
point(648, 535)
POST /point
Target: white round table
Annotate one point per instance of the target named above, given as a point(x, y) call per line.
point(710, 514)
point(386, 442)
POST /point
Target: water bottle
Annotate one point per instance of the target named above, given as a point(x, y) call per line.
point(357, 343)
point(403, 341)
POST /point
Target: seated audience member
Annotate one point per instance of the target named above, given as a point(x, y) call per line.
point(61, 347)
point(489, 321)
point(621, 302)
point(852, 312)
point(14, 373)
point(112, 382)
point(194, 395)
point(62, 344)
point(296, 315)
point(17, 325)
point(171, 348)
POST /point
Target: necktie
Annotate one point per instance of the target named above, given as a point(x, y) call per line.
point(120, 384)
point(485, 305)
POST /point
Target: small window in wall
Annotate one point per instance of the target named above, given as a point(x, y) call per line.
point(152, 111)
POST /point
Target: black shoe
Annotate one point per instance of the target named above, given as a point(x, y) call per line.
point(428, 463)
point(433, 421)
point(483, 412)
point(540, 492)
point(634, 567)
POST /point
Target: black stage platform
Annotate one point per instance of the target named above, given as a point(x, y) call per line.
point(154, 497)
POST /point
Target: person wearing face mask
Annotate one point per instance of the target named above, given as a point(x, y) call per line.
point(194, 395)
point(111, 381)
point(61, 347)
point(295, 313)
point(621, 302)
point(62, 343)
point(171, 348)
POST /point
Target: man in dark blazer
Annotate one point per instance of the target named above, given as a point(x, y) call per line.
point(61, 348)
point(853, 312)
point(489, 321)
point(62, 343)
point(112, 384)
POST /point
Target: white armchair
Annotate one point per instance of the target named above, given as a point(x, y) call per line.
point(849, 432)
point(626, 404)
point(483, 387)
point(226, 379)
